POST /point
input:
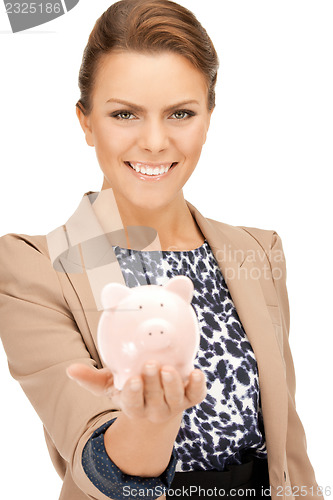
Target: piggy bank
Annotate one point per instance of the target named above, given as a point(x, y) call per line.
point(149, 322)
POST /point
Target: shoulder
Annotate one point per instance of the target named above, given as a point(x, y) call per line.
point(27, 274)
point(245, 236)
point(14, 245)
point(25, 266)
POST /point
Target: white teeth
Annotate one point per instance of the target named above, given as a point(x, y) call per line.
point(144, 169)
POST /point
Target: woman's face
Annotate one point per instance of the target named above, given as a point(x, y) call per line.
point(148, 124)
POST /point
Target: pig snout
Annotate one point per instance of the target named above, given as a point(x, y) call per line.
point(155, 334)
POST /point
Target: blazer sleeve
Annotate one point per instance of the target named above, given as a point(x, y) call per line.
point(41, 338)
point(300, 469)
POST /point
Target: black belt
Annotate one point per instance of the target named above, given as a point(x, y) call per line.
point(252, 473)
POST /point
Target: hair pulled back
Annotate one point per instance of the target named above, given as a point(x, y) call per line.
point(147, 26)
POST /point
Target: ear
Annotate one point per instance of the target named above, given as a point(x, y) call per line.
point(182, 286)
point(85, 122)
point(113, 293)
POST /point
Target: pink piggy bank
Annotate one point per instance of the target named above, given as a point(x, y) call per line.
point(149, 322)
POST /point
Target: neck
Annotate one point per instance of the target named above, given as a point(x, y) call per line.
point(174, 223)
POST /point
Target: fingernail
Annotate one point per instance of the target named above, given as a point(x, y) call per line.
point(167, 376)
point(136, 384)
point(151, 369)
point(197, 376)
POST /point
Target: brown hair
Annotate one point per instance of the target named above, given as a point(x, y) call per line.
point(147, 26)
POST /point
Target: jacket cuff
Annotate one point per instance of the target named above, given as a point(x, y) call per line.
point(111, 481)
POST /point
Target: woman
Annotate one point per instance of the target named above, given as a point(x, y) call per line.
point(147, 94)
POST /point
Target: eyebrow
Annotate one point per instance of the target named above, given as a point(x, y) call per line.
point(141, 109)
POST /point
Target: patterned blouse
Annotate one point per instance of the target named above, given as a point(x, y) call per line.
point(228, 423)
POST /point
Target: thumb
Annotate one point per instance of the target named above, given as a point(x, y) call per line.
point(97, 381)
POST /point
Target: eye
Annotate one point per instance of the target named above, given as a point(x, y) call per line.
point(122, 115)
point(183, 114)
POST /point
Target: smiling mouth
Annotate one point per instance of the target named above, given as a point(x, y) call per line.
point(149, 170)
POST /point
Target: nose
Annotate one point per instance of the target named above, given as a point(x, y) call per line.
point(154, 136)
point(155, 333)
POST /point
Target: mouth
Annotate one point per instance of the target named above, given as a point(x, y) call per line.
point(150, 171)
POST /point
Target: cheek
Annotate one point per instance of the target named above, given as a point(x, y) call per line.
point(191, 139)
point(112, 139)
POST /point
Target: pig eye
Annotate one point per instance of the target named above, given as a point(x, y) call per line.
point(161, 305)
point(140, 307)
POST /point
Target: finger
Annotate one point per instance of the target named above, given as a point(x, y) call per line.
point(132, 400)
point(196, 389)
point(153, 390)
point(173, 388)
point(97, 381)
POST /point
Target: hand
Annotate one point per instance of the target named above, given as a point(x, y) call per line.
point(157, 395)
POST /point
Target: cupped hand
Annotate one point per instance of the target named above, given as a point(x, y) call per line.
point(157, 395)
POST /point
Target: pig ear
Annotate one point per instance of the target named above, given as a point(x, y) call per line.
point(113, 293)
point(182, 286)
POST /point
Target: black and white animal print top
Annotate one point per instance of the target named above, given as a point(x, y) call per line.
point(228, 423)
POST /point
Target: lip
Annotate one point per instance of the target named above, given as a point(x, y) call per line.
point(151, 178)
point(156, 164)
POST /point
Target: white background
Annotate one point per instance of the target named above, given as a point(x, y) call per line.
point(267, 163)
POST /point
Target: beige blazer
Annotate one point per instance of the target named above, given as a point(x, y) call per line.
point(49, 316)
